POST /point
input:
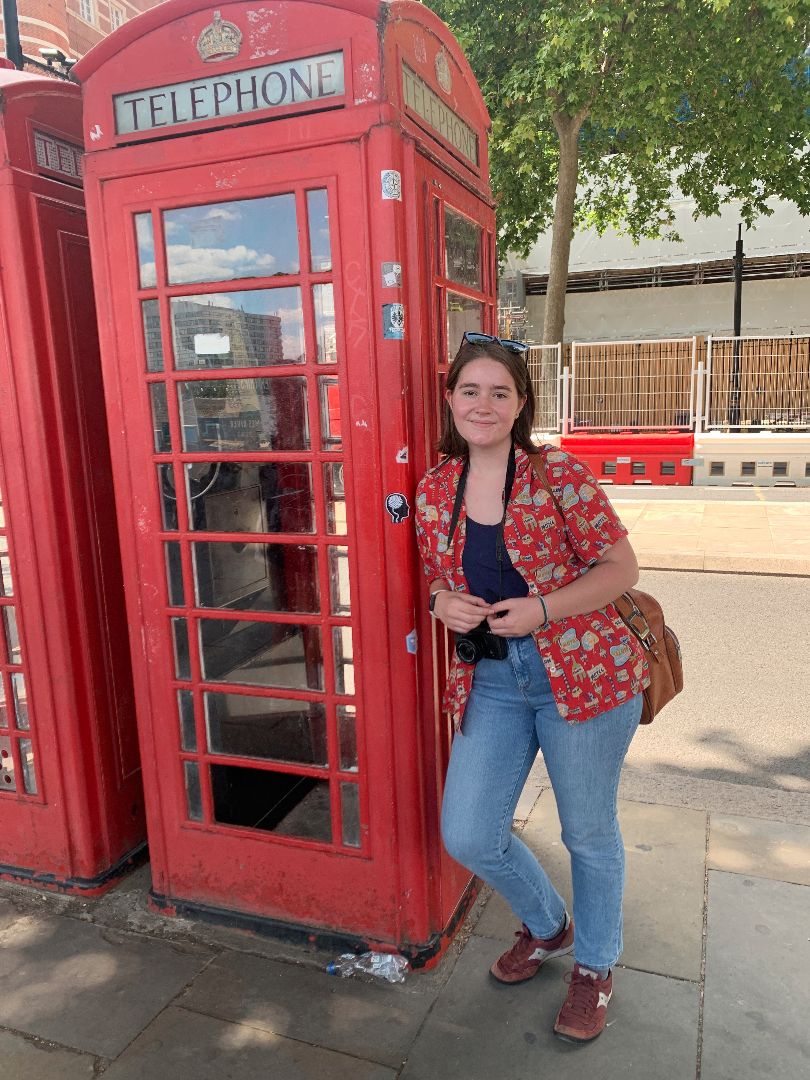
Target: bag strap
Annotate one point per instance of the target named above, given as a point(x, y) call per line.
point(631, 613)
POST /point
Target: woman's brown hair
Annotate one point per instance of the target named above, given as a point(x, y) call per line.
point(451, 442)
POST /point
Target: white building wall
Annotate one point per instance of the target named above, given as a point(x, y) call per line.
point(778, 307)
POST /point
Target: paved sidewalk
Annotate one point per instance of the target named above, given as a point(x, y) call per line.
point(712, 984)
point(730, 535)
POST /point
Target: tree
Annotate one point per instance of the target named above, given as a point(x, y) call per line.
point(599, 108)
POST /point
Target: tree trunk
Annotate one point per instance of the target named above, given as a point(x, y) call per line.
point(568, 128)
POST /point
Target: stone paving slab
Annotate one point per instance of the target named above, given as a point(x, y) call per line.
point(376, 1021)
point(757, 959)
point(24, 1059)
point(665, 849)
point(479, 1028)
point(91, 989)
point(766, 849)
point(186, 1046)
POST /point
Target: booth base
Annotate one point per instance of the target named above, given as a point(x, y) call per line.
point(420, 956)
point(77, 886)
point(653, 458)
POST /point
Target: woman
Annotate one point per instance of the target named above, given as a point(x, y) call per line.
point(549, 666)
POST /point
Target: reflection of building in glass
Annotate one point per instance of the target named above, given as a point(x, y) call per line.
point(232, 337)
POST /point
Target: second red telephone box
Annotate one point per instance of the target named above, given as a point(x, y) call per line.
point(292, 226)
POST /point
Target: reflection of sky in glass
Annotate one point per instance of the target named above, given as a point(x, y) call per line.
point(238, 329)
point(146, 250)
point(324, 303)
point(320, 251)
point(221, 241)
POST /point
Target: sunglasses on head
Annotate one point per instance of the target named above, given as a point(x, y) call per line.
point(474, 338)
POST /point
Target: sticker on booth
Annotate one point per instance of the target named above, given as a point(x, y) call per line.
point(391, 184)
point(393, 321)
point(397, 506)
point(391, 275)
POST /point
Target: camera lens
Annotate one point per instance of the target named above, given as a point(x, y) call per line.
point(466, 650)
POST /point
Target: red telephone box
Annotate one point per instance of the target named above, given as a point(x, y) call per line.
point(71, 807)
point(292, 226)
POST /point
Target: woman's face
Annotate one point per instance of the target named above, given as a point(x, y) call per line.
point(485, 403)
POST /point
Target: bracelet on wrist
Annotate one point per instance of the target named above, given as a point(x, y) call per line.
point(544, 623)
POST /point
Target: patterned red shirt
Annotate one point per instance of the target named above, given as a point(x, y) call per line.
point(593, 661)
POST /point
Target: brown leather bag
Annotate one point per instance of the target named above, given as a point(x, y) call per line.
point(644, 618)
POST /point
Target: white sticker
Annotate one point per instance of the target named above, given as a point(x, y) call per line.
point(212, 344)
point(411, 642)
point(402, 456)
point(391, 184)
point(623, 460)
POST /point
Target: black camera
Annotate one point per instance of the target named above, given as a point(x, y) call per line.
point(480, 644)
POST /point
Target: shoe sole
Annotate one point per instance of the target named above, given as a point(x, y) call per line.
point(525, 978)
point(575, 1041)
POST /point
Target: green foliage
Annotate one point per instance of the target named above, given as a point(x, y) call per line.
point(711, 94)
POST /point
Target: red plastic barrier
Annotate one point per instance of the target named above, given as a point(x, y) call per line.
point(626, 458)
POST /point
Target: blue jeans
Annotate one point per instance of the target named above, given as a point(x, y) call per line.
point(510, 715)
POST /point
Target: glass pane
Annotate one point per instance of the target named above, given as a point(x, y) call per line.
point(20, 700)
point(193, 793)
point(335, 498)
point(320, 250)
point(330, 414)
point(462, 250)
point(347, 737)
point(462, 314)
point(244, 414)
point(145, 236)
point(174, 575)
point(350, 810)
point(160, 418)
point(256, 577)
point(243, 496)
point(6, 587)
point(6, 765)
point(273, 802)
point(29, 773)
point(152, 337)
point(185, 710)
point(4, 720)
point(168, 496)
point(263, 727)
point(323, 298)
point(221, 241)
point(182, 660)
point(344, 659)
point(339, 580)
point(14, 652)
point(285, 655)
point(238, 329)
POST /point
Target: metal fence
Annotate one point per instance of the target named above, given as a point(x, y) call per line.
point(681, 384)
point(757, 382)
point(545, 370)
point(633, 384)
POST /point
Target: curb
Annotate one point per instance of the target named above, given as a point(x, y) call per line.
point(735, 564)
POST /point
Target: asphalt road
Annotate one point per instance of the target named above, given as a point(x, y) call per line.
point(744, 714)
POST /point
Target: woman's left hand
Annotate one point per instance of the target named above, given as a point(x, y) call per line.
point(521, 615)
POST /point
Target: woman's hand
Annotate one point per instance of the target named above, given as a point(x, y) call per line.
point(459, 611)
point(521, 615)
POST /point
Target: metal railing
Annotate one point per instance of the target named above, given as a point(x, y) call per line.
point(680, 384)
point(755, 383)
point(545, 370)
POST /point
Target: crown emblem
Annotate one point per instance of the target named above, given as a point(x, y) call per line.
point(219, 40)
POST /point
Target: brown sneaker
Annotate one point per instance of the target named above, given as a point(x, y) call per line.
point(584, 1012)
point(528, 954)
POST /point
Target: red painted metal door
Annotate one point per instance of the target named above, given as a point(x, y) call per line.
point(456, 257)
point(269, 784)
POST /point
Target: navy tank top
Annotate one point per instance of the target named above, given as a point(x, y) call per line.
point(480, 563)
